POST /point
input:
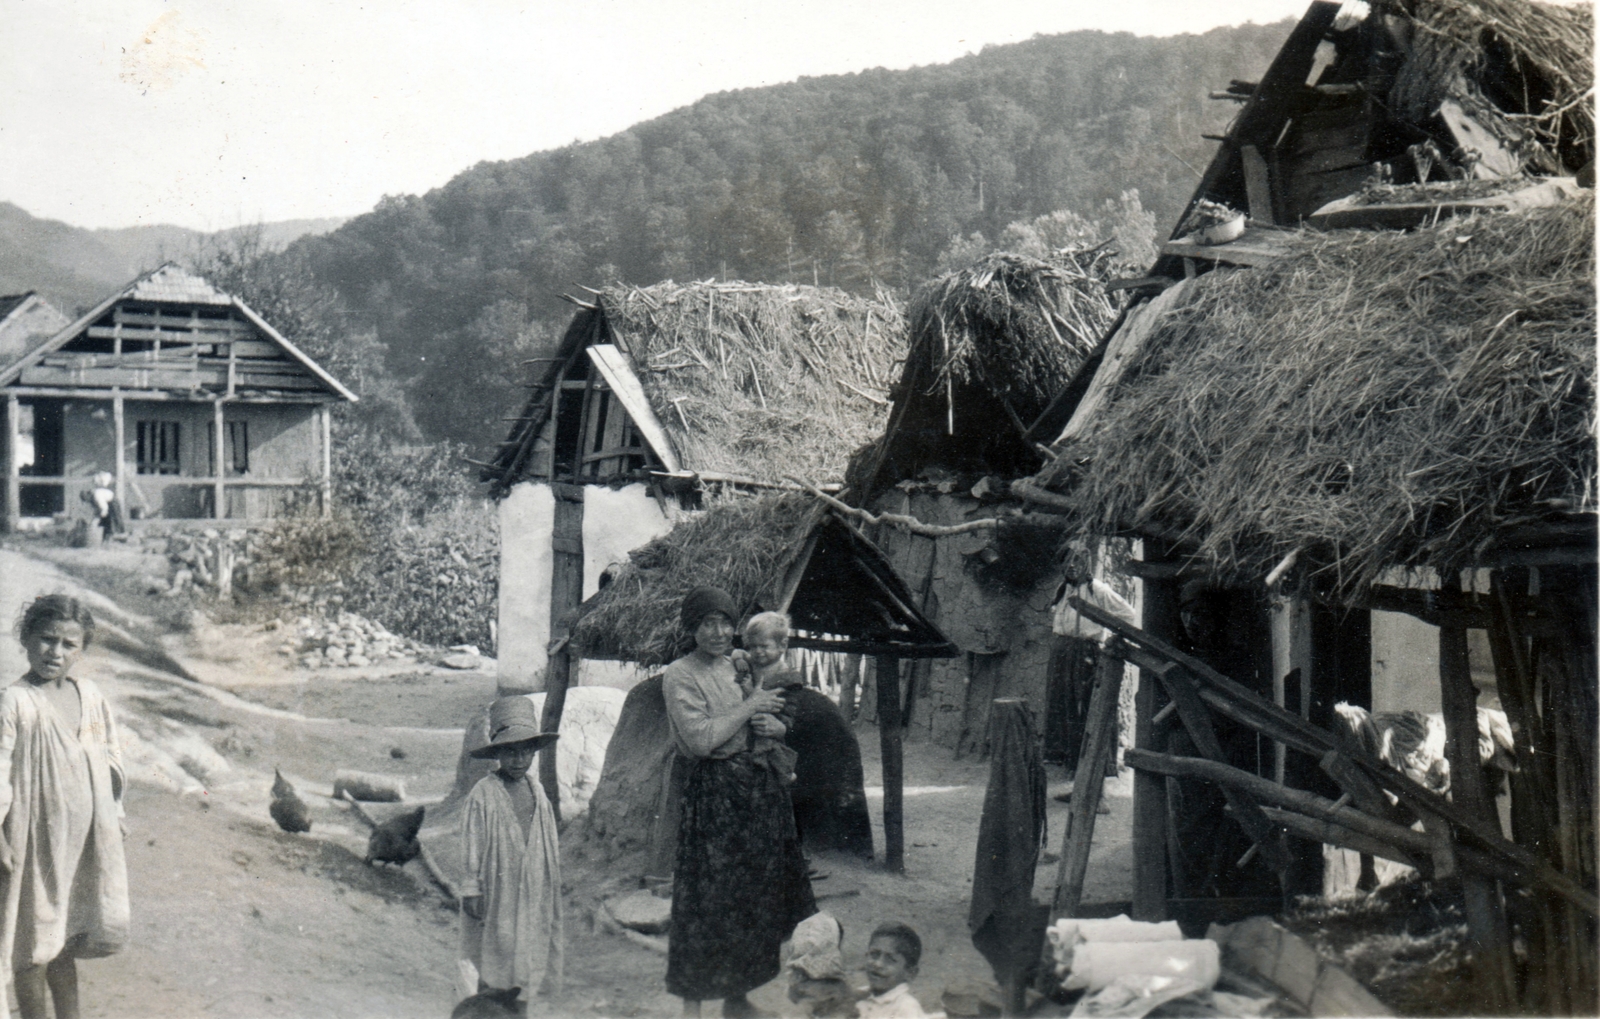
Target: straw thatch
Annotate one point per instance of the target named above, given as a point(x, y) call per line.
point(1531, 61)
point(749, 380)
point(761, 380)
point(1375, 400)
point(991, 344)
point(740, 545)
point(1013, 325)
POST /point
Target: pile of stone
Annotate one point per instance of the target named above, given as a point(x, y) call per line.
point(207, 559)
point(347, 640)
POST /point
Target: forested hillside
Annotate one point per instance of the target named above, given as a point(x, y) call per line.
point(842, 180)
point(75, 268)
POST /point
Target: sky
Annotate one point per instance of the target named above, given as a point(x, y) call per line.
point(215, 113)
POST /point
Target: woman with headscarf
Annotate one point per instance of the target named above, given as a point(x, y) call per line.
point(739, 886)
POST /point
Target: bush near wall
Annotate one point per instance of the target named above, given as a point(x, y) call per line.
point(412, 543)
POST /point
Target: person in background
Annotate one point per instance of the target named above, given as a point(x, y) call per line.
point(739, 886)
point(63, 874)
point(511, 929)
point(107, 510)
point(1079, 642)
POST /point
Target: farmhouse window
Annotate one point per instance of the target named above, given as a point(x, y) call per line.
point(238, 452)
point(157, 451)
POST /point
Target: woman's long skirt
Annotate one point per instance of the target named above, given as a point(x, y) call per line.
point(740, 883)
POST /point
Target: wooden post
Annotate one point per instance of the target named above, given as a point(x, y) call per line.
point(1099, 741)
point(13, 467)
point(119, 429)
point(889, 739)
point(327, 459)
point(1159, 616)
point(1493, 965)
point(219, 448)
point(555, 701)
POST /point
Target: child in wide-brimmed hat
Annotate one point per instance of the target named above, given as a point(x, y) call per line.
point(511, 927)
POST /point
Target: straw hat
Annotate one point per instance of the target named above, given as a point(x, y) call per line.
point(513, 722)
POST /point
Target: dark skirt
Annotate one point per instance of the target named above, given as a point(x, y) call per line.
point(740, 883)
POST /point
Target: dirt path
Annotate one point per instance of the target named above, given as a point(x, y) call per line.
point(233, 918)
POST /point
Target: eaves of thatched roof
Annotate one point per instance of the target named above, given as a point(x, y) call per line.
point(1372, 399)
point(990, 345)
point(778, 552)
point(745, 380)
point(1407, 91)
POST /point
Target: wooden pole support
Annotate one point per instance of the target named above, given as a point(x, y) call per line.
point(119, 460)
point(1494, 968)
point(555, 701)
point(889, 740)
point(1088, 785)
point(13, 466)
point(219, 449)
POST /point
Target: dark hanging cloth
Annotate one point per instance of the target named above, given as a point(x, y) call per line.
point(740, 883)
point(830, 799)
point(1007, 925)
point(1072, 672)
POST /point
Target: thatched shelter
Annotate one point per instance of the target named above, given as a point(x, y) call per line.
point(1360, 447)
point(787, 553)
point(1362, 417)
point(990, 345)
point(656, 395)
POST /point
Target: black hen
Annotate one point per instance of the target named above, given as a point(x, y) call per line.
point(288, 809)
point(395, 840)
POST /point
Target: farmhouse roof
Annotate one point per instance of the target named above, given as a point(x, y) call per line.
point(164, 305)
point(1370, 399)
point(744, 380)
point(991, 343)
point(783, 552)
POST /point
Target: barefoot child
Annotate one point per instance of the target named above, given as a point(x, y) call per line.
point(511, 928)
point(63, 877)
point(892, 957)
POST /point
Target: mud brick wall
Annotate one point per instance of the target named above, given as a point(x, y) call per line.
point(1004, 636)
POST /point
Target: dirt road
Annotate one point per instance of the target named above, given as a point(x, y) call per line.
point(233, 918)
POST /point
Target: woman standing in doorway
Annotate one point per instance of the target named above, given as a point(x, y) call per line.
point(740, 884)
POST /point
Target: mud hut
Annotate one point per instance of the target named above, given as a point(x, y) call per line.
point(786, 553)
point(1375, 441)
point(655, 397)
point(990, 345)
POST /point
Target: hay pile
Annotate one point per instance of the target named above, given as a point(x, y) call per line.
point(757, 380)
point(740, 545)
point(1377, 399)
point(1012, 325)
point(1533, 62)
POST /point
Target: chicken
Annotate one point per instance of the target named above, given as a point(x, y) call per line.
point(288, 809)
point(488, 1004)
point(395, 840)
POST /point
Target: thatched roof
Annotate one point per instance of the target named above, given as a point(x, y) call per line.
point(746, 379)
point(1373, 399)
point(990, 345)
point(771, 552)
point(1530, 62)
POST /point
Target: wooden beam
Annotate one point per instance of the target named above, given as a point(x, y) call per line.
point(889, 740)
point(327, 460)
point(1494, 968)
point(1160, 613)
point(1257, 185)
point(13, 467)
point(1088, 784)
point(119, 428)
point(558, 679)
point(219, 449)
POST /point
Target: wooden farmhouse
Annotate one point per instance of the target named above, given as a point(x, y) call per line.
point(193, 403)
point(1361, 466)
point(657, 402)
point(990, 345)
